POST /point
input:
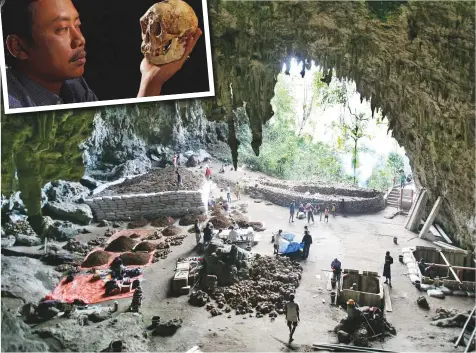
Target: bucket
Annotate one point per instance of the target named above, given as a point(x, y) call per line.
point(333, 283)
point(333, 297)
point(400, 258)
point(418, 285)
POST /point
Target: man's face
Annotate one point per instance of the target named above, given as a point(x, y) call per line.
point(57, 52)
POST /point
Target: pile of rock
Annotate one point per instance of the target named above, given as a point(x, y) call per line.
point(366, 324)
point(97, 242)
point(451, 318)
point(110, 232)
point(199, 298)
point(154, 236)
point(78, 247)
point(16, 228)
point(162, 252)
point(176, 240)
point(69, 268)
point(262, 284)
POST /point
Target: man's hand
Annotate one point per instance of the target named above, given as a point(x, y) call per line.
point(154, 77)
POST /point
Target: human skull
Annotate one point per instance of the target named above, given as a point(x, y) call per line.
point(165, 29)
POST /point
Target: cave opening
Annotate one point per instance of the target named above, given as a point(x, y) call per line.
point(322, 130)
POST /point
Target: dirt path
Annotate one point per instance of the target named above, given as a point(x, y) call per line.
point(360, 242)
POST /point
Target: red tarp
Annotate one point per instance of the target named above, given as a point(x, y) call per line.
point(91, 292)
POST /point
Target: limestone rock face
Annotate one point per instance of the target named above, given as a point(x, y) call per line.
point(414, 62)
point(27, 279)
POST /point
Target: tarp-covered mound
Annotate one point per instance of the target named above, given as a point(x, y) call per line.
point(288, 244)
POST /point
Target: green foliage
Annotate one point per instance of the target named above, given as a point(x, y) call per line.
point(285, 154)
point(395, 162)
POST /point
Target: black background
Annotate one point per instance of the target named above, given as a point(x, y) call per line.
point(113, 45)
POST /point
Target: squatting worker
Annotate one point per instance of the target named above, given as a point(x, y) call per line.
point(45, 55)
point(291, 310)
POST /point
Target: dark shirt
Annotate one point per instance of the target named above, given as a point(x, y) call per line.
point(196, 228)
point(23, 92)
point(336, 264)
point(179, 178)
point(292, 207)
point(388, 261)
point(307, 239)
point(207, 233)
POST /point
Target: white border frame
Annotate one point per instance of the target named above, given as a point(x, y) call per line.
point(210, 93)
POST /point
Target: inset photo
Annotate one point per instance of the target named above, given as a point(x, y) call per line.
point(65, 54)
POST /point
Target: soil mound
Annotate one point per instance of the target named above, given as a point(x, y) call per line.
point(257, 226)
point(158, 180)
point(171, 231)
point(134, 236)
point(97, 258)
point(145, 246)
point(135, 258)
point(121, 244)
point(220, 222)
point(138, 223)
point(189, 220)
point(162, 221)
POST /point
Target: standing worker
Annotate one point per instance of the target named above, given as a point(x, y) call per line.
point(310, 214)
point(292, 209)
point(277, 241)
point(179, 179)
point(228, 193)
point(326, 215)
point(386, 269)
point(319, 211)
point(402, 180)
point(307, 241)
point(196, 228)
point(333, 209)
point(174, 161)
point(291, 309)
point(238, 190)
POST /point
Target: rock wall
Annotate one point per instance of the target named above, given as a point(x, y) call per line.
point(168, 203)
point(314, 188)
point(281, 197)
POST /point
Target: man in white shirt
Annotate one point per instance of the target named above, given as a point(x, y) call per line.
point(228, 194)
point(277, 241)
point(291, 309)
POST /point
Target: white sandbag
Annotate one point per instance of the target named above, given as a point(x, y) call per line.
point(460, 293)
point(445, 290)
point(413, 271)
point(426, 287)
point(407, 260)
point(470, 294)
point(414, 278)
point(435, 293)
point(411, 265)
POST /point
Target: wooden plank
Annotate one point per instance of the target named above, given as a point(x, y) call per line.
point(454, 267)
point(388, 301)
point(194, 349)
point(451, 268)
point(434, 231)
point(449, 247)
point(470, 341)
point(431, 217)
point(443, 234)
point(329, 285)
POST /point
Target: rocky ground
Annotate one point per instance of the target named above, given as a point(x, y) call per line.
point(360, 243)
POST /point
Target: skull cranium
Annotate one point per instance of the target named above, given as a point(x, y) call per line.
point(165, 29)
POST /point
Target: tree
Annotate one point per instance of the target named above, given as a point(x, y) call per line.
point(395, 162)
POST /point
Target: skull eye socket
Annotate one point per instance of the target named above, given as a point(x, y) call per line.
point(167, 46)
point(156, 30)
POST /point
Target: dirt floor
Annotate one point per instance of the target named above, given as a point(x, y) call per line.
point(360, 242)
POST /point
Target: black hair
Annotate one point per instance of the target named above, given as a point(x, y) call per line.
point(291, 297)
point(387, 253)
point(17, 19)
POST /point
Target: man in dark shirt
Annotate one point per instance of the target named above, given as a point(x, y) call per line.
point(307, 241)
point(45, 54)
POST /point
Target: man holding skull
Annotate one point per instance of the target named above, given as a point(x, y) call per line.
point(45, 55)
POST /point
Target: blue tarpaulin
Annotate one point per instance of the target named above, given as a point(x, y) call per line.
point(288, 245)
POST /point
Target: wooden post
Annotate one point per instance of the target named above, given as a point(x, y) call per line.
point(431, 217)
